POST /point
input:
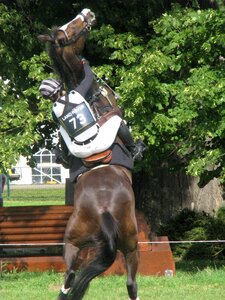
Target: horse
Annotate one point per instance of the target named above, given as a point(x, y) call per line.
point(62, 51)
point(104, 202)
point(66, 45)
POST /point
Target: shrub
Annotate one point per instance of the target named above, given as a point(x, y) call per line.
point(192, 226)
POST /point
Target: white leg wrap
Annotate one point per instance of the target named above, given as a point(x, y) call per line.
point(135, 299)
point(64, 291)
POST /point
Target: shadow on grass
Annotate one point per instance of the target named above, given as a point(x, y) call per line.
point(193, 266)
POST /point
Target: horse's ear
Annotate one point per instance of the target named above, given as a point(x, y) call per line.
point(44, 38)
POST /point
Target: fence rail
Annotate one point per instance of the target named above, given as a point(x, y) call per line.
point(140, 243)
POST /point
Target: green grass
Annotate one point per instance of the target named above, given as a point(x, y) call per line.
point(193, 281)
point(34, 195)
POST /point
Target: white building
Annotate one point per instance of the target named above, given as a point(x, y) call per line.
point(45, 171)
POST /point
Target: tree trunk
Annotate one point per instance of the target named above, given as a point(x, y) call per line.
point(163, 195)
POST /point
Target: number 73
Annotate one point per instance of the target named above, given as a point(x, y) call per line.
point(80, 118)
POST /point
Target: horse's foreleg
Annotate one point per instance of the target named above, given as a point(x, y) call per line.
point(132, 265)
point(70, 256)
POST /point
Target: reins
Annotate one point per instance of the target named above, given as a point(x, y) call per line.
point(87, 28)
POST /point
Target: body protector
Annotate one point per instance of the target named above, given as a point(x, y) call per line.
point(79, 128)
point(75, 116)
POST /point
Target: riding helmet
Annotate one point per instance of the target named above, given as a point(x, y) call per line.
point(49, 87)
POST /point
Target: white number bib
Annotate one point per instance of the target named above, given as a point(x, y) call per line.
point(77, 120)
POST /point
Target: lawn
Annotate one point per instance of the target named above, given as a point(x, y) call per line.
point(193, 281)
point(27, 195)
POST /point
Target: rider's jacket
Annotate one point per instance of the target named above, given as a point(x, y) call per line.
point(74, 114)
point(84, 88)
point(82, 134)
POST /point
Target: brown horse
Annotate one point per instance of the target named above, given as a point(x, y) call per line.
point(104, 203)
point(66, 44)
point(65, 48)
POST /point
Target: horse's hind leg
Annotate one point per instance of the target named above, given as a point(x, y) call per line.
point(132, 265)
point(70, 256)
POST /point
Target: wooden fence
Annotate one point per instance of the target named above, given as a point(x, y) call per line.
point(31, 238)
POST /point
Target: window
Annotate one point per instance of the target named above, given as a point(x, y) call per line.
point(46, 170)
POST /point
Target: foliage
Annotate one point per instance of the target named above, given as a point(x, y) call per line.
point(177, 92)
point(169, 70)
point(191, 226)
point(24, 115)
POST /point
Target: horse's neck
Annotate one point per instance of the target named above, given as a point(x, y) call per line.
point(78, 69)
point(77, 72)
point(103, 100)
point(68, 65)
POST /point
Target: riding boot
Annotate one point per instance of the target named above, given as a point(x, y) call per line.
point(136, 149)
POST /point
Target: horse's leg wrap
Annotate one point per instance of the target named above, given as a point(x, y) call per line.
point(64, 291)
point(134, 299)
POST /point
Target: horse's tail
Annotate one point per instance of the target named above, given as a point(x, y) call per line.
point(104, 258)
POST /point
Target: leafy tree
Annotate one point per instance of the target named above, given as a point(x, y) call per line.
point(169, 71)
point(25, 117)
point(22, 115)
point(177, 92)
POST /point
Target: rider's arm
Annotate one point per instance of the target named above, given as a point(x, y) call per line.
point(86, 83)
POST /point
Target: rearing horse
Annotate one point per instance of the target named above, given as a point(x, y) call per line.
point(66, 43)
point(104, 203)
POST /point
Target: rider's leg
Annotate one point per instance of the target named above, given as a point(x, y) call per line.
point(136, 149)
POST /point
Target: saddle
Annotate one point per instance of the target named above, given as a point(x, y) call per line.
point(100, 158)
point(106, 156)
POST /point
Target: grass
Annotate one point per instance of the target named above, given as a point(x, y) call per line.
point(193, 281)
point(34, 195)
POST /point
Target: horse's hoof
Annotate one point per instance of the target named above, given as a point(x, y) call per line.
point(63, 294)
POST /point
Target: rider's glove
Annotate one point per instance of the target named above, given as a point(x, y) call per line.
point(85, 61)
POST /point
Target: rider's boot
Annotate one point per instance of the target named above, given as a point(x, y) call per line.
point(136, 149)
point(60, 158)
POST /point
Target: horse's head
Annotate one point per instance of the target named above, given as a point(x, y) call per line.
point(73, 32)
point(66, 43)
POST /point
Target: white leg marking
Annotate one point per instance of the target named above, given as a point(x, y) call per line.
point(64, 291)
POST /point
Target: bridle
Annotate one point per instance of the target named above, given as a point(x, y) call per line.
point(87, 28)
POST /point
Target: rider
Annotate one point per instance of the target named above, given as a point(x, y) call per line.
point(53, 90)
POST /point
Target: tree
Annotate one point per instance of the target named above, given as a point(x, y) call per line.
point(168, 68)
point(179, 88)
point(25, 117)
